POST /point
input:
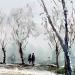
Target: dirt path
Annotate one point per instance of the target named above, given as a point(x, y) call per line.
point(8, 70)
point(16, 71)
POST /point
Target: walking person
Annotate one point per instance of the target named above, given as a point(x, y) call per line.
point(33, 59)
point(29, 58)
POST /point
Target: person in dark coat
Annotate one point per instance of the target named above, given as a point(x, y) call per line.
point(33, 59)
point(29, 58)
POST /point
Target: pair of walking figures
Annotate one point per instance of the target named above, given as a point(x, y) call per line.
point(31, 59)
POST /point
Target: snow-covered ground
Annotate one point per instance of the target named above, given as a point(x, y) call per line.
point(24, 71)
point(16, 71)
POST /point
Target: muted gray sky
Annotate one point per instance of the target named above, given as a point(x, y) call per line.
point(7, 5)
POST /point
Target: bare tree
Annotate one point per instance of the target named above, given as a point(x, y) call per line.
point(22, 25)
point(53, 41)
point(3, 41)
point(3, 36)
point(64, 43)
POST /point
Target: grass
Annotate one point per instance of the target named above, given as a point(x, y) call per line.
point(60, 70)
point(57, 70)
point(52, 68)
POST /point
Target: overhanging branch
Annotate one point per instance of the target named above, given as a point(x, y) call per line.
point(50, 22)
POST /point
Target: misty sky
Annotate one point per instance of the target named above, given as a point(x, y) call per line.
point(7, 5)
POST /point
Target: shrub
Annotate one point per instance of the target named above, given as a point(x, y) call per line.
point(60, 70)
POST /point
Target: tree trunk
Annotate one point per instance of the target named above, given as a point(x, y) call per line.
point(65, 67)
point(67, 59)
point(67, 64)
point(57, 54)
point(21, 53)
point(4, 58)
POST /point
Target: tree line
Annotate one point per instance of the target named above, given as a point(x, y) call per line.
point(58, 26)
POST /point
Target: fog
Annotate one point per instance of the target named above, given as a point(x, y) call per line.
point(39, 44)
